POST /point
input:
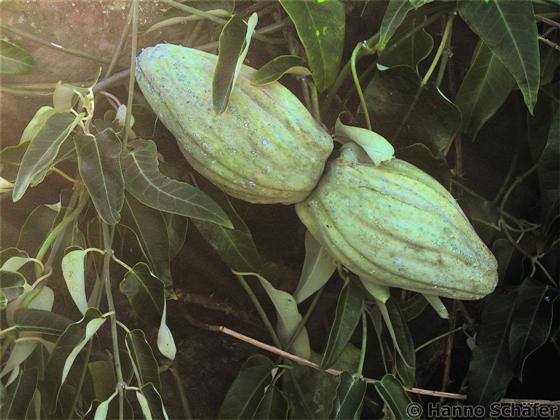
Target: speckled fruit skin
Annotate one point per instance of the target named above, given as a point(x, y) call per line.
point(395, 225)
point(265, 148)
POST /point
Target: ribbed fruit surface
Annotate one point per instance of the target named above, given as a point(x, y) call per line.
point(265, 148)
point(396, 226)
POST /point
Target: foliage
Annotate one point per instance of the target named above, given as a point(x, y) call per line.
point(92, 271)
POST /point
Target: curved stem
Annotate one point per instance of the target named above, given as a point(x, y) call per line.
point(120, 45)
point(353, 59)
point(53, 45)
point(443, 43)
point(60, 227)
point(439, 337)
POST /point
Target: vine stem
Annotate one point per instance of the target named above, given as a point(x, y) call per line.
point(120, 45)
point(439, 337)
point(442, 44)
point(132, 78)
point(357, 49)
point(107, 244)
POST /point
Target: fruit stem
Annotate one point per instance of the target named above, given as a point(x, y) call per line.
point(442, 44)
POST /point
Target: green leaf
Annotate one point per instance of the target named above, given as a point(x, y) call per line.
point(550, 60)
point(73, 266)
point(39, 320)
point(349, 397)
point(490, 369)
point(484, 89)
point(14, 59)
point(151, 232)
point(44, 145)
point(59, 362)
point(435, 165)
point(549, 163)
point(509, 29)
point(100, 167)
point(11, 286)
point(248, 389)
point(531, 321)
point(103, 378)
point(177, 227)
point(413, 307)
point(142, 358)
point(274, 405)
point(103, 408)
point(151, 402)
point(318, 267)
point(320, 26)
point(20, 394)
point(234, 42)
point(409, 46)
point(405, 113)
point(348, 312)
point(11, 157)
point(165, 341)
point(394, 395)
point(235, 246)
point(35, 229)
point(318, 389)
point(278, 67)
point(288, 319)
point(394, 15)
point(398, 330)
point(377, 148)
point(503, 251)
point(146, 183)
point(145, 292)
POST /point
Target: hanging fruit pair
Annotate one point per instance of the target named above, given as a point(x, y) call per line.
point(383, 218)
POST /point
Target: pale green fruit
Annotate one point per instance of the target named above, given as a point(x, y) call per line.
point(394, 225)
point(265, 148)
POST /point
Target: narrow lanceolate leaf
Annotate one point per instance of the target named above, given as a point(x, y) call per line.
point(151, 403)
point(14, 59)
point(150, 229)
point(103, 408)
point(247, 390)
point(41, 321)
point(20, 395)
point(73, 265)
point(405, 112)
point(490, 369)
point(149, 186)
point(235, 246)
point(320, 26)
point(549, 163)
point(288, 319)
point(348, 311)
point(273, 405)
point(145, 292)
point(11, 286)
point(278, 67)
point(234, 45)
point(395, 397)
point(509, 29)
point(11, 157)
point(72, 337)
point(484, 89)
point(394, 15)
point(531, 321)
point(100, 167)
point(143, 361)
point(47, 137)
point(349, 397)
point(318, 268)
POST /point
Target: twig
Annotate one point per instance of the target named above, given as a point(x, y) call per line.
point(132, 78)
point(120, 45)
point(449, 348)
point(547, 20)
point(549, 43)
point(335, 372)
